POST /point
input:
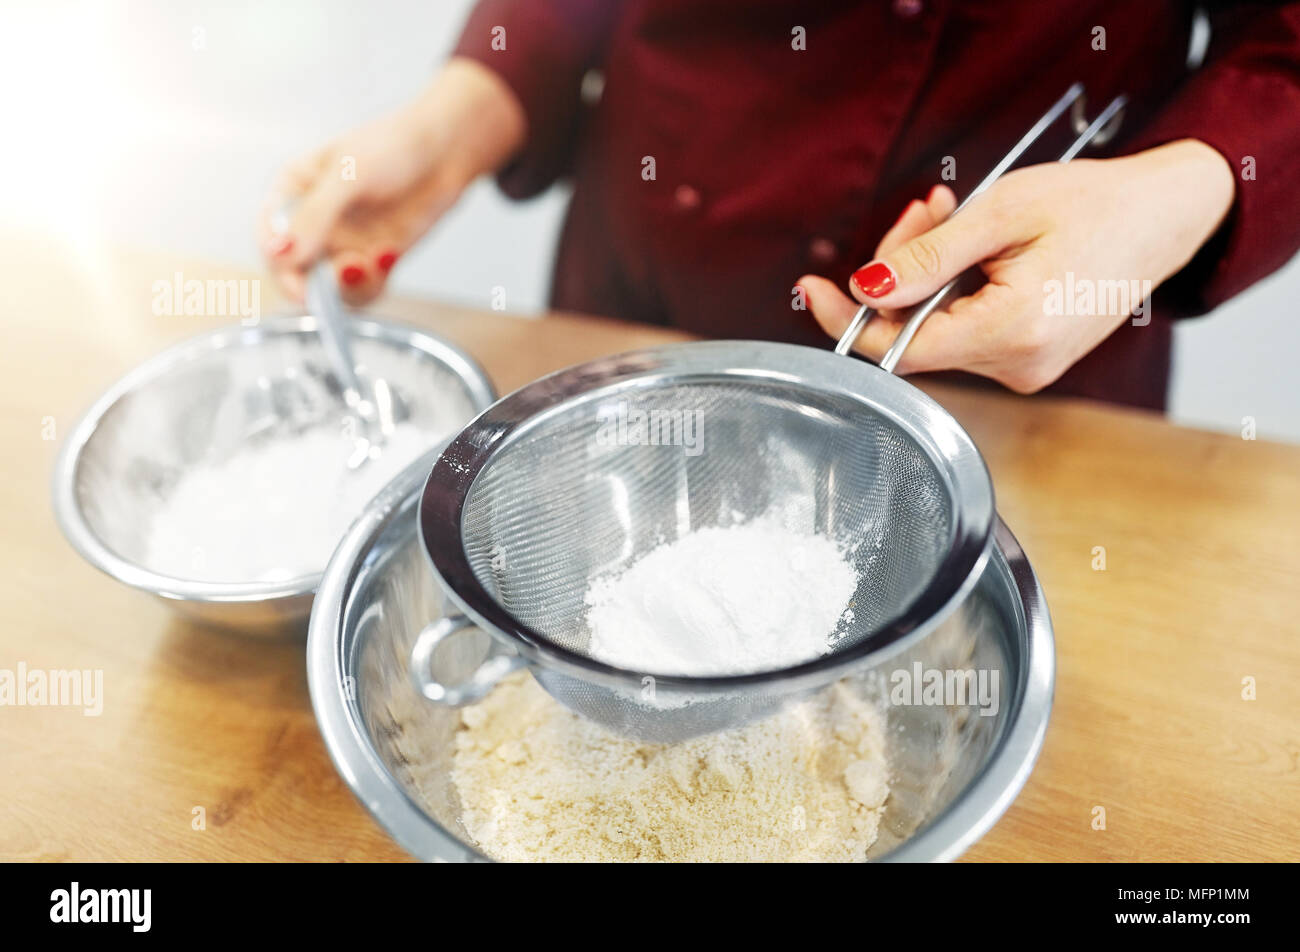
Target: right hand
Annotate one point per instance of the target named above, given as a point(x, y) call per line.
point(408, 168)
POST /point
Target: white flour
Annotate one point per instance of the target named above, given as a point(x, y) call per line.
point(731, 600)
point(274, 511)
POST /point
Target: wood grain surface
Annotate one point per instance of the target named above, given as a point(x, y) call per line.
point(1201, 589)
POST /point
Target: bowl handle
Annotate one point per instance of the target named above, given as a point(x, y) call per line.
point(473, 688)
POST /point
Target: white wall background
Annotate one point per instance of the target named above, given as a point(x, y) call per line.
point(163, 123)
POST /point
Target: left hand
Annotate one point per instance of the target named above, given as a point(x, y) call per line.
point(1123, 223)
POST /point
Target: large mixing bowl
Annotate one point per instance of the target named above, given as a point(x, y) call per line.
point(205, 396)
point(953, 769)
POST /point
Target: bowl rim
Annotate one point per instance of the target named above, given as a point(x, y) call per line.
point(974, 811)
point(349, 747)
point(990, 793)
point(67, 508)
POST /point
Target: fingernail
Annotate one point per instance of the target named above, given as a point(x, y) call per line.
point(352, 274)
point(386, 261)
point(875, 279)
point(279, 245)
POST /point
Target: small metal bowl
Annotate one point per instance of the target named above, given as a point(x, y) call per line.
point(209, 393)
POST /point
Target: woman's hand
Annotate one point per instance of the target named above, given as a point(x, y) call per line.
point(1112, 225)
point(369, 196)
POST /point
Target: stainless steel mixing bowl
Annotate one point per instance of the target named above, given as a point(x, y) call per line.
point(954, 771)
point(208, 394)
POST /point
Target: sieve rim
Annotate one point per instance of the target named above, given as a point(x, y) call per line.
point(935, 430)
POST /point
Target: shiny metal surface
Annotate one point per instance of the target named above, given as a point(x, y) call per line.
point(377, 406)
point(1098, 132)
point(528, 504)
point(214, 392)
point(954, 771)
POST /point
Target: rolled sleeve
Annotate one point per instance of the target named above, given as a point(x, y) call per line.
point(541, 49)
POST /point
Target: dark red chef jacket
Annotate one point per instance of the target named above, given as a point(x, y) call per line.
point(771, 160)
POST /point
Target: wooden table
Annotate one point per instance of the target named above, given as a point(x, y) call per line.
point(1199, 592)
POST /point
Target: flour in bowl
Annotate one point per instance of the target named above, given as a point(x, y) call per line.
point(537, 782)
point(722, 600)
point(272, 511)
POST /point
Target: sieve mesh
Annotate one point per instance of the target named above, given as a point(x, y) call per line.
point(584, 473)
point(576, 497)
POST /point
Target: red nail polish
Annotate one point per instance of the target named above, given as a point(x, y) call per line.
point(351, 274)
point(875, 279)
point(280, 245)
point(386, 261)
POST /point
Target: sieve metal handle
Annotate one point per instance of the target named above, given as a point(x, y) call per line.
point(473, 688)
point(1101, 130)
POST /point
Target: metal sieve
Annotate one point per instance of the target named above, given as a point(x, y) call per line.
point(543, 492)
point(582, 473)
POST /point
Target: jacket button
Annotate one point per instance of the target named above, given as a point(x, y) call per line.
point(908, 8)
point(593, 87)
point(686, 198)
point(822, 251)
